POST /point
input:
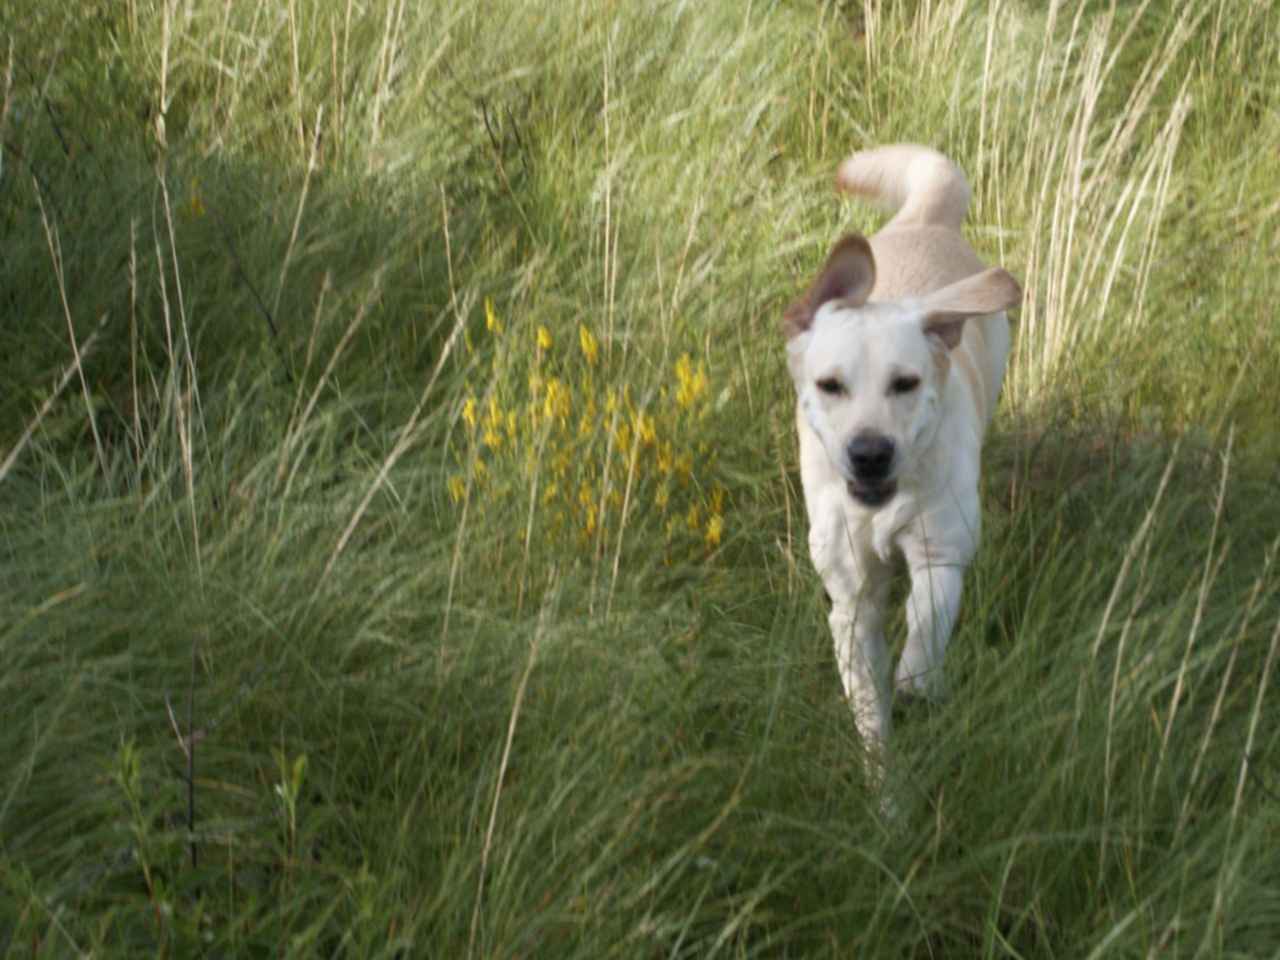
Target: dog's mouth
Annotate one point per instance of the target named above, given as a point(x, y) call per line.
point(872, 493)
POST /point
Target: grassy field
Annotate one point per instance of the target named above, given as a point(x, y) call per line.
point(401, 545)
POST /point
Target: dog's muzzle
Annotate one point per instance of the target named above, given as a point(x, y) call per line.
point(871, 461)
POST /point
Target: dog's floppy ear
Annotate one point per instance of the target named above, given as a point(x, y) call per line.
point(946, 310)
point(848, 275)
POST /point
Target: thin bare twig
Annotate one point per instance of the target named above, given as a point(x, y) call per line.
point(502, 765)
point(55, 252)
point(12, 456)
point(1258, 781)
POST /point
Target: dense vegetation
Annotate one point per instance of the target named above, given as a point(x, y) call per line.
point(400, 537)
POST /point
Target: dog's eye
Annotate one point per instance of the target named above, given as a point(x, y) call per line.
point(903, 384)
point(831, 386)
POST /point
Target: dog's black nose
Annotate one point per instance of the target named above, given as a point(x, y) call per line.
point(871, 456)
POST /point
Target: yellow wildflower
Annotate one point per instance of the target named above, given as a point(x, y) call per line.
point(622, 436)
point(587, 500)
point(662, 497)
point(590, 346)
point(646, 430)
point(666, 457)
point(493, 423)
point(588, 421)
point(544, 338)
point(684, 467)
point(558, 402)
point(469, 413)
point(535, 393)
point(561, 462)
point(491, 321)
point(715, 527)
point(457, 487)
point(717, 499)
point(693, 519)
point(692, 383)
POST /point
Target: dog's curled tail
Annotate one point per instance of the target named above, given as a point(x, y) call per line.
point(917, 184)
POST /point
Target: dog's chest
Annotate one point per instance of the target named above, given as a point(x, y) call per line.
point(843, 532)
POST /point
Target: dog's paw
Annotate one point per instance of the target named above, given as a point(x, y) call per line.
point(909, 704)
point(929, 684)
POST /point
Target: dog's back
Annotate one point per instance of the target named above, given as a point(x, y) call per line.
point(921, 248)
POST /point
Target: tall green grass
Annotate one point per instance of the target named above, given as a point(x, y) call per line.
point(401, 543)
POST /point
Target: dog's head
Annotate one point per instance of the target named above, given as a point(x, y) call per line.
point(870, 376)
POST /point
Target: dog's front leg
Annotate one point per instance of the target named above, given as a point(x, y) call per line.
point(862, 657)
point(932, 608)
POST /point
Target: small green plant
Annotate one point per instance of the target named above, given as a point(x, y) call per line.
point(287, 790)
point(147, 849)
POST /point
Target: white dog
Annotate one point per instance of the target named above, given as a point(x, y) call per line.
point(897, 351)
